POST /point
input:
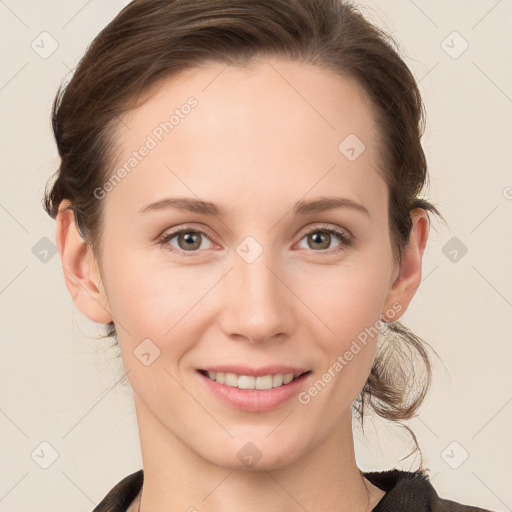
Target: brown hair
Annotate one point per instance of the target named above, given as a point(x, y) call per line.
point(151, 40)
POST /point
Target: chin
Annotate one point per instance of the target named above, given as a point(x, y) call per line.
point(254, 454)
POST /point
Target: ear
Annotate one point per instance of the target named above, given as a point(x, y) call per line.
point(408, 280)
point(81, 271)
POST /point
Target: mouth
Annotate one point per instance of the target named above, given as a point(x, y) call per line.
point(254, 390)
point(261, 382)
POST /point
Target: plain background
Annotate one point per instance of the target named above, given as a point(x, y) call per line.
point(60, 386)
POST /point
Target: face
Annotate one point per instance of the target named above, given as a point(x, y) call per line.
point(271, 282)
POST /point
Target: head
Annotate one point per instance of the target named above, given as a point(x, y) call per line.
point(247, 113)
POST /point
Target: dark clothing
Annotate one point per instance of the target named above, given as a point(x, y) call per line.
point(412, 492)
point(405, 492)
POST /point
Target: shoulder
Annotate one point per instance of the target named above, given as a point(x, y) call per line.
point(407, 491)
point(122, 494)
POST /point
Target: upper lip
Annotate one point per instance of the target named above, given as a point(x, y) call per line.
point(255, 372)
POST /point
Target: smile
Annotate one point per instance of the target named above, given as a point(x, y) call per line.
point(261, 382)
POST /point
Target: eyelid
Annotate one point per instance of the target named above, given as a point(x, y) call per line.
point(329, 228)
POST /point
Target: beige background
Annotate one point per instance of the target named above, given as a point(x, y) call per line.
point(60, 386)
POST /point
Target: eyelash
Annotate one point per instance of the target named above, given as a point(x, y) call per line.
point(346, 239)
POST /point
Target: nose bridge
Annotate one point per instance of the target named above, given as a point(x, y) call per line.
point(255, 306)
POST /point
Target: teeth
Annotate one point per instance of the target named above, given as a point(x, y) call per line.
point(263, 382)
point(287, 378)
point(230, 379)
point(251, 382)
point(246, 382)
point(277, 380)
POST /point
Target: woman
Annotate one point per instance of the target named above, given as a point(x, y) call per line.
point(239, 202)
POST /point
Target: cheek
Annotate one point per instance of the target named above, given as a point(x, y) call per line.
point(147, 298)
point(350, 303)
point(348, 298)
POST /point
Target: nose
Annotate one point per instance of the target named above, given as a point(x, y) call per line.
point(256, 303)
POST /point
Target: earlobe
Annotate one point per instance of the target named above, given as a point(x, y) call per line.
point(408, 280)
point(81, 272)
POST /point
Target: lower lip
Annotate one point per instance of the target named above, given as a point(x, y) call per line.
point(255, 400)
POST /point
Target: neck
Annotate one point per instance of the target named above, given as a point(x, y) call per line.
point(324, 478)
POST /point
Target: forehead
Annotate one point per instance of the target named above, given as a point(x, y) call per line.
point(276, 129)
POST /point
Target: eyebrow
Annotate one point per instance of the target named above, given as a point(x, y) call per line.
point(303, 207)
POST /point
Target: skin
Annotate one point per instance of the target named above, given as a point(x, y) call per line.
point(255, 144)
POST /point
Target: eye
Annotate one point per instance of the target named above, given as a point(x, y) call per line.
point(188, 240)
point(320, 239)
